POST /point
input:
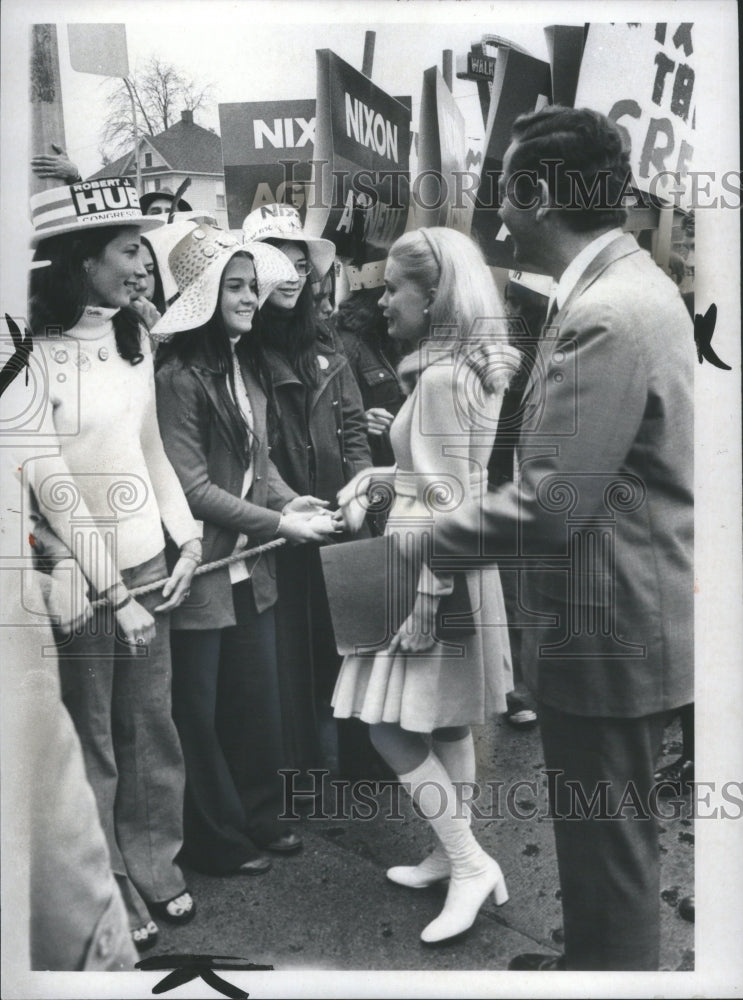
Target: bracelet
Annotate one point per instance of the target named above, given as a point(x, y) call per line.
point(122, 604)
point(111, 593)
point(192, 550)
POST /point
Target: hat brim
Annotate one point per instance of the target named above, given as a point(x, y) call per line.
point(161, 242)
point(146, 200)
point(198, 302)
point(141, 222)
point(321, 252)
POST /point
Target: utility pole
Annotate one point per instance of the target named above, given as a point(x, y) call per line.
point(47, 119)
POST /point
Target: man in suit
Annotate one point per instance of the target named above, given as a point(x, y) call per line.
point(602, 518)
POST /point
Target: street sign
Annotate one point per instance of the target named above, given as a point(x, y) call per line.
point(480, 67)
point(98, 48)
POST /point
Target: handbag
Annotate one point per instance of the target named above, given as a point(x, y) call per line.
point(371, 590)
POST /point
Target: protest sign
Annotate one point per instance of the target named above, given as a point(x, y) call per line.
point(565, 44)
point(520, 83)
point(266, 148)
point(360, 179)
point(442, 189)
point(642, 76)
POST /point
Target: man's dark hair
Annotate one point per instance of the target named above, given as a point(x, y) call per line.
point(581, 156)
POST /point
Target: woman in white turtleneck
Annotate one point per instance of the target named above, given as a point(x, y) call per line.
point(105, 491)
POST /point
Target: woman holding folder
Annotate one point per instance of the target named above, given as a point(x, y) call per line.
point(421, 694)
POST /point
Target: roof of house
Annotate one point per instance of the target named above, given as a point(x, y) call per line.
point(186, 148)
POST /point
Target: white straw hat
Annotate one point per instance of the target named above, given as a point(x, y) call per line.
point(110, 201)
point(197, 263)
point(161, 241)
point(282, 222)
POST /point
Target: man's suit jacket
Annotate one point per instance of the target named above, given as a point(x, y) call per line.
point(603, 514)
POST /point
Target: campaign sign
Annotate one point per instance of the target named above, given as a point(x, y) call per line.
point(92, 203)
point(361, 165)
point(444, 187)
point(565, 45)
point(642, 77)
point(267, 147)
point(521, 83)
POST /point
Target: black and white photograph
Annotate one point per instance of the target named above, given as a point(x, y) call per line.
point(370, 439)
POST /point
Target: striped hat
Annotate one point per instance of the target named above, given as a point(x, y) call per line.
point(110, 201)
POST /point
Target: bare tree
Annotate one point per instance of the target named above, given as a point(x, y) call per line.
point(160, 91)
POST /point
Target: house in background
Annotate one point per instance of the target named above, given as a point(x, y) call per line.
point(183, 150)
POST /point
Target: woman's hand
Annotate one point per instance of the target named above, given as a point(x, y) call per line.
point(415, 635)
point(378, 420)
point(306, 503)
point(307, 526)
point(353, 513)
point(136, 623)
point(177, 587)
point(147, 312)
point(363, 483)
point(68, 597)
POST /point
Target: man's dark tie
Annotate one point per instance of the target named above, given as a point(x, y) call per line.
point(551, 313)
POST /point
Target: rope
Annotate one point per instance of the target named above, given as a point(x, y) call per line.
point(148, 588)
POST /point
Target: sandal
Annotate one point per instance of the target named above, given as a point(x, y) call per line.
point(145, 937)
point(178, 910)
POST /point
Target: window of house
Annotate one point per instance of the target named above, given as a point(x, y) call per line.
point(148, 159)
point(220, 201)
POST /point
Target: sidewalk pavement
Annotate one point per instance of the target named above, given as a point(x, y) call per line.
point(331, 907)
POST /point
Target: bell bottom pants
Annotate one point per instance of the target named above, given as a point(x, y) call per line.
point(226, 707)
point(119, 699)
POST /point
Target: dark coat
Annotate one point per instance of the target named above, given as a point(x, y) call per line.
point(202, 442)
point(322, 431)
point(606, 455)
point(379, 386)
point(321, 445)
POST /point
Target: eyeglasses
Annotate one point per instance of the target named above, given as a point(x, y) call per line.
point(303, 268)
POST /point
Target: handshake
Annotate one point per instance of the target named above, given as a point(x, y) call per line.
point(307, 519)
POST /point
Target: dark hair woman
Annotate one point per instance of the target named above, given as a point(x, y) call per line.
point(107, 492)
point(322, 443)
point(213, 404)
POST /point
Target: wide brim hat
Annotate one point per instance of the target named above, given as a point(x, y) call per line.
point(197, 263)
point(73, 208)
point(282, 222)
point(161, 241)
point(146, 200)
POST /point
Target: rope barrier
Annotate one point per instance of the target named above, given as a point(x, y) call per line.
point(148, 588)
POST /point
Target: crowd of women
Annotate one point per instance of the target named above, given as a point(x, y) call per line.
point(205, 404)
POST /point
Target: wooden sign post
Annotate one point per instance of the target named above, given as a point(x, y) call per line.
point(47, 120)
